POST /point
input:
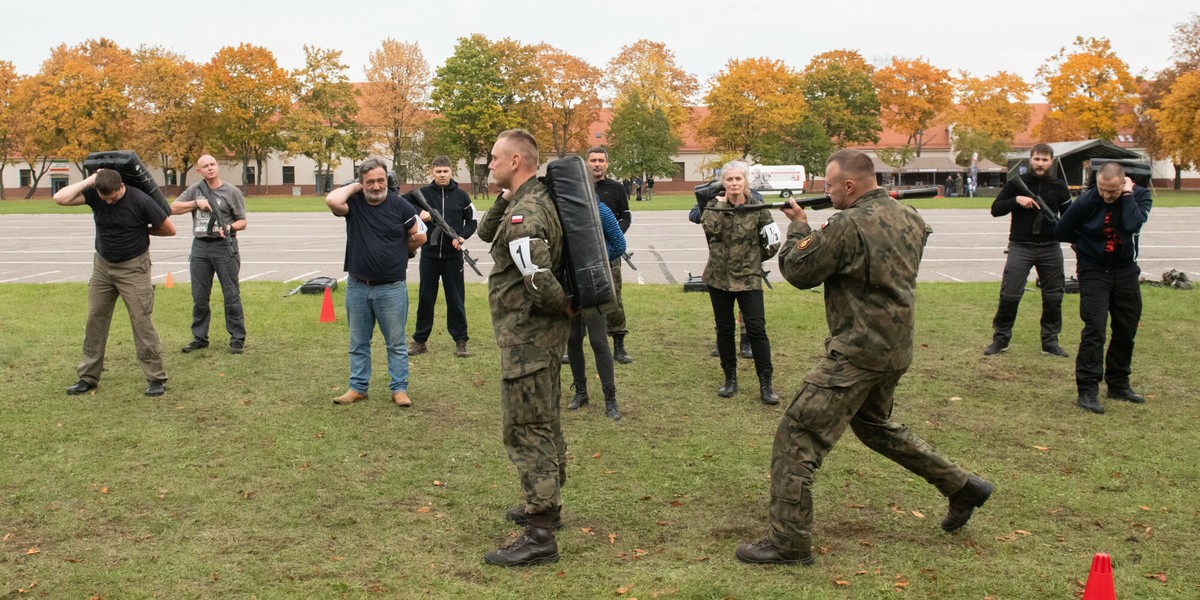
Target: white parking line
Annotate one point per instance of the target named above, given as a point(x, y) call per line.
point(30, 276)
point(952, 278)
point(269, 272)
point(299, 277)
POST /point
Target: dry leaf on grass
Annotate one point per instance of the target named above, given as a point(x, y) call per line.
point(612, 538)
point(841, 583)
point(439, 483)
point(596, 455)
point(32, 551)
point(856, 506)
point(1042, 448)
point(1159, 576)
point(424, 509)
point(104, 490)
point(621, 591)
point(918, 514)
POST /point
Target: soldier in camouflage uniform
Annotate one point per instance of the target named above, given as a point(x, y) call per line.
point(738, 243)
point(530, 313)
point(867, 257)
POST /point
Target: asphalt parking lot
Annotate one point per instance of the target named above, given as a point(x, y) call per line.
point(967, 245)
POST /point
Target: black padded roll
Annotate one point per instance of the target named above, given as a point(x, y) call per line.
point(131, 169)
point(588, 271)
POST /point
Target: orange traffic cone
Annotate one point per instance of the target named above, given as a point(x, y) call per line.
point(170, 283)
point(1100, 580)
point(327, 308)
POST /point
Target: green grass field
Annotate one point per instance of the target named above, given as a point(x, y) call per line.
point(244, 481)
point(1162, 198)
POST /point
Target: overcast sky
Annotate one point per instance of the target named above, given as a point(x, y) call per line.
point(978, 37)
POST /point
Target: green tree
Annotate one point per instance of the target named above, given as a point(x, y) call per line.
point(167, 124)
point(640, 141)
point(805, 143)
point(323, 125)
point(749, 101)
point(249, 96)
point(473, 102)
point(394, 101)
point(648, 68)
point(838, 88)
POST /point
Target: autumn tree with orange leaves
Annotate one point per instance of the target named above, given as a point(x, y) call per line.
point(248, 94)
point(167, 124)
point(1175, 142)
point(394, 104)
point(649, 69)
point(749, 101)
point(994, 109)
point(912, 94)
point(570, 100)
point(1090, 92)
point(8, 116)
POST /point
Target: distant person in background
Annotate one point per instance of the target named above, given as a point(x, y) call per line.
point(637, 187)
point(125, 219)
point(1103, 225)
point(649, 189)
point(949, 186)
point(958, 185)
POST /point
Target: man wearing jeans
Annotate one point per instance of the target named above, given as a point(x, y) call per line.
point(382, 229)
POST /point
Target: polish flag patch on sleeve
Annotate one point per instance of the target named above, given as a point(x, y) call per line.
point(518, 219)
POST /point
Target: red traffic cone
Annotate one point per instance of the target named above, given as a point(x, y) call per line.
point(1100, 580)
point(327, 309)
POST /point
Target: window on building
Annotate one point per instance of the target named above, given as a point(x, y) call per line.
point(248, 176)
point(26, 177)
point(289, 175)
point(679, 172)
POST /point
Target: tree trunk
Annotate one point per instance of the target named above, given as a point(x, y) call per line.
point(2, 181)
point(1178, 176)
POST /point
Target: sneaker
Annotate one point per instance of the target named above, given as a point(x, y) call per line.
point(763, 552)
point(995, 348)
point(417, 348)
point(1055, 350)
point(156, 388)
point(194, 346)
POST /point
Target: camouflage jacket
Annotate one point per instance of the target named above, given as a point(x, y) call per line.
point(736, 246)
point(524, 293)
point(867, 256)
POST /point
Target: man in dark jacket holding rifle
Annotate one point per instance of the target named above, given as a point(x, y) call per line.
point(218, 212)
point(442, 258)
point(1034, 199)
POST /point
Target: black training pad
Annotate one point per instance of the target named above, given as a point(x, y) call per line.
point(131, 169)
point(588, 271)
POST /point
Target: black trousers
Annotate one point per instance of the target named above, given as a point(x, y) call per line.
point(1048, 260)
point(450, 271)
point(1104, 293)
point(753, 315)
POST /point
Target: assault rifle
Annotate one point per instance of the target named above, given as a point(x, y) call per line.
point(819, 202)
point(419, 199)
point(1045, 213)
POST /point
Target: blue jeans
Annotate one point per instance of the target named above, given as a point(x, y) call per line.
point(387, 305)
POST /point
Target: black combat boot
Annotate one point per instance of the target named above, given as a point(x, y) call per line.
point(765, 391)
point(763, 552)
point(610, 403)
point(730, 387)
point(619, 353)
point(745, 350)
point(581, 398)
point(965, 501)
point(517, 515)
point(535, 546)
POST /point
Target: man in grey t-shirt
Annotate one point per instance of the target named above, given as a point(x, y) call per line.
point(214, 252)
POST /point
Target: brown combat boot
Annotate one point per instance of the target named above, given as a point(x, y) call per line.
point(416, 348)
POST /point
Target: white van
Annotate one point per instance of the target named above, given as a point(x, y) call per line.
point(784, 180)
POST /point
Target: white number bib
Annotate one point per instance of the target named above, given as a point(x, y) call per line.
point(771, 233)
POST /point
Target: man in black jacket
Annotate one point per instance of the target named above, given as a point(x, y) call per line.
point(1031, 243)
point(613, 195)
point(442, 258)
point(1104, 224)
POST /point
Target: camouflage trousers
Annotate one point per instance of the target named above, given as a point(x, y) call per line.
point(616, 318)
point(533, 432)
point(836, 394)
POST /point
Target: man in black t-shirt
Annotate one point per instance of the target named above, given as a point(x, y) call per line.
point(382, 228)
point(125, 219)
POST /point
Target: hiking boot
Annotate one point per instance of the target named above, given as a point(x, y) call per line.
point(236, 348)
point(350, 397)
point(400, 398)
point(1127, 394)
point(730, 387)
point(995, 348)
point(460, 349)
point(536, 546)
point(194, 346)
point(763, 552)
point(81, 387)
point(156, 388)
point(417, 348)
point(619, 353)
point(965, 501)
point(610, 403)
point(1055, 350)
point(581, 396)
point(1089, 401)
point(517, 515)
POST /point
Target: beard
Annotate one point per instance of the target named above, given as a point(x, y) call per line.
point(375, 197)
